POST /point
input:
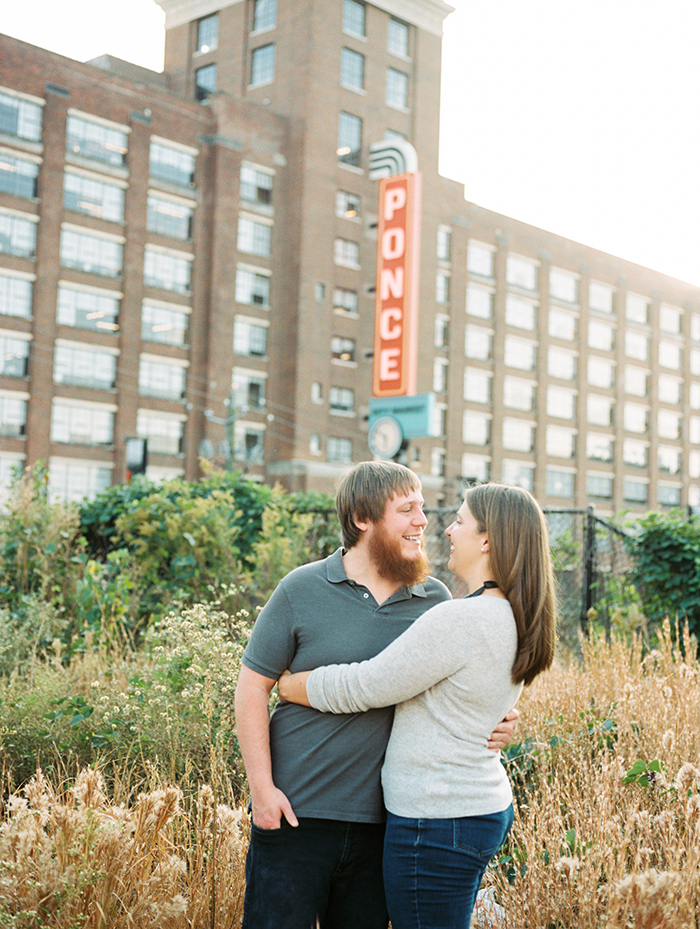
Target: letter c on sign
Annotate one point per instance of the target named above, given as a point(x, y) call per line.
point(390, 323)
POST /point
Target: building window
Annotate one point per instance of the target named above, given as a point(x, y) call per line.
point(563, 285)
point(634, 491)
point(562, 325)
point(15, 296)
point(169, 217)
point(249, 387)
point(204, 81)
point(694, 430)
point(342, 349)
point(249, 338)
point(695, 327)
point(396, 89)
point(256, 184)
point(669, 459)
point(339, 449)
point(254, 237)
point(250, 442)
point(93, 198)
point(599, 410)
point(668, 494)
point(353, 17)
point(17, 236)
point(252, 287)
point(560, 442)
point(636, 309)
point(600, 336)
point(347, 205)
point(599, 485)
point(442, 330)
point(518, 434)
point(599, 447)
point(161, 379)
point(476, 428)
point(477, 343)
point(520, 313)
point(669, 424)
point(84, 366)
point(518, 474)
point(397, 38)
point(316, 392)
point(320, 292)
point(96, 141)
point(81, 425)
point(20, 118)
point(91, 253)
point(636, 417)
point(635, 453)
point(163, 433)
point(438, 462)
point(636, 382)
point(480, 260)
point(171, 164)
point(264, 15)
point(344, 301)
point(518, 394)
point(444, 243)
point(477, 386)
point(341, 400)
point(519, 353)
point(561, 402)
point(208, 33)
point(346, 253)
point(695, 395)
point(167, 270)
point(163, 324)
point(670, 319)
point(262, 69)
point(440, 370)
point(18, 176)
point(14, 356)
point(521, 272)
point(601, 372)
point(561, 364)
point(349, 139)
point(442, 287)
point(559, 483)
point(87, 309)
point(636, 346)
point(694, 464)
point(315, 443)
point(76, 481)
point(600, 297)
point(479, 302)
point(694, 361)
point(670, 355)
point(352, 69)
point(669, 389)
point(13, 416)
point(475, 469)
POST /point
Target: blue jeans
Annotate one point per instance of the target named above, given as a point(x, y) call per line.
point(320, 873)
point(433, 867)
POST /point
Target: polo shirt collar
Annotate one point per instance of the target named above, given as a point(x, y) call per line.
point(335, 572)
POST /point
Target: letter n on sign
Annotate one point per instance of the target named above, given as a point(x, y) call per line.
point(396, 307)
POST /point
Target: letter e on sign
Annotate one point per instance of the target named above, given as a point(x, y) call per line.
point(396, 307)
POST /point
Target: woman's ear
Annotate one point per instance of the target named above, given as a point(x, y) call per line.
point(485, 546)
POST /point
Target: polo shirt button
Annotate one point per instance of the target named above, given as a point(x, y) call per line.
point(365, 596)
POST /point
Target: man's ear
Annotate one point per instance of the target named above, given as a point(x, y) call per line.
point(362, 524)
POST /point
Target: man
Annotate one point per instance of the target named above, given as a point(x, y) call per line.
point(317, 834)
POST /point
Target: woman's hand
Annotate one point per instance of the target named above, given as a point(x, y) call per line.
point(292, 687)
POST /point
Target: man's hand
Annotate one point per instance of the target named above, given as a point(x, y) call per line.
point(504, 731)
point(269, 809)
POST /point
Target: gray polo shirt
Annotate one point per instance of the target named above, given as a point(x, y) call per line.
point(329, 766)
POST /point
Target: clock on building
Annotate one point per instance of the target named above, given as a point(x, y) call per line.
point(385, 437)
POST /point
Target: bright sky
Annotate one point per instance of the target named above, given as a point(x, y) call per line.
point(578, 116)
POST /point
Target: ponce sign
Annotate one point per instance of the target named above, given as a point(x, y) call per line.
point(396, 308)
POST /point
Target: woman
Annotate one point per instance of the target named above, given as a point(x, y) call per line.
point(453, 675)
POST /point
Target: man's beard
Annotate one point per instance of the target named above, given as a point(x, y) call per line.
point(386, 553)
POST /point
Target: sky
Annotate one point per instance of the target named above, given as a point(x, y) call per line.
point(577, 116)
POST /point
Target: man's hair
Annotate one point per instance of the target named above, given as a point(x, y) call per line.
point(522, 567)
point(365, 490)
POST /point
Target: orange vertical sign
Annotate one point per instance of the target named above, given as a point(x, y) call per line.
point(396, 306)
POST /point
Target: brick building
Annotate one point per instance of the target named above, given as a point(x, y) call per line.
point(189, 258)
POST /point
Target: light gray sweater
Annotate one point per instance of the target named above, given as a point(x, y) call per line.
point(449, 675)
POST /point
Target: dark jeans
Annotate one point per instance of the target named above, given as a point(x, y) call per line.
point(321, 873)
point(433, 867)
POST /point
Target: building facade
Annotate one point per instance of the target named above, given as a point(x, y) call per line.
point(189, 258)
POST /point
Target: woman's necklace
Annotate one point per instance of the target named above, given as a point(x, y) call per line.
point(487, 585)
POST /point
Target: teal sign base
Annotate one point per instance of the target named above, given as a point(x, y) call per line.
point(416, 414)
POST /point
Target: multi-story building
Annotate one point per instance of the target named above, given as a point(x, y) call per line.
point(189, 258)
